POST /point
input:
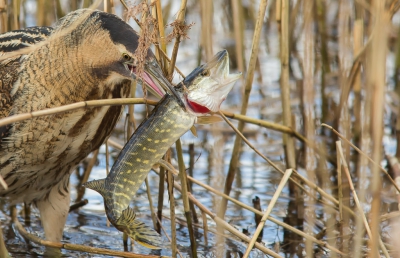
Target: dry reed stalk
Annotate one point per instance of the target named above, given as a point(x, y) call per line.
point(329, 210)
point(105, 5)
point(349, 82)
point(73, 207)
point(340, 197)
point(163, 53)
point(363, 181)
point(238, 21)
point(3, 183)
point(169, 239)
point(180, 21)
point(107, 158)
point(190, 185)
point(358, 36)
point(206, 14)
point(27, 213)
point(170, 180)
point(153, 214)
point(185, 199)
point(266, 124)
point(257, 218)
point(279, 128)
point(77, 105)
point(86, 174)
point(3, 16)
point(344, 57)
point(160, 199)
point(41, 13)
point(74, 247)
point(294, 181)
point(247, 89)
point(288, 141)
point(162, 41)
point(216, 180)
point(16, 10)
point(325, 60)
point(365, 155)
point(124, 4)
point(376, 73)
point(255, 211)
point(356, 200)
point(278, 11)
point(205, 227)
point(309, 115)
point(271, 204)
point(221, 223)
point(131, 111)
point(3, 249)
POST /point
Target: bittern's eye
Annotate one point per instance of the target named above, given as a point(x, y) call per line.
point(126, 57)
point(205, 73)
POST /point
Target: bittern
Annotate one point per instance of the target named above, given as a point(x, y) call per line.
point(88, 55)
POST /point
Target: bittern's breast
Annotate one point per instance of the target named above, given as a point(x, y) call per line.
point(38, 153)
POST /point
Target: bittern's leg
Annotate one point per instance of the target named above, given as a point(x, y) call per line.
point(54, 212)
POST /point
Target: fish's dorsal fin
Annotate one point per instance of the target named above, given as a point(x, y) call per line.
point(97, 185)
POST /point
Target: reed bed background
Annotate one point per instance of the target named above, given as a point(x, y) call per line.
point(317, 108)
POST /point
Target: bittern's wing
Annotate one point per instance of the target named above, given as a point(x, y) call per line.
point(9, 42)
point(17, 39)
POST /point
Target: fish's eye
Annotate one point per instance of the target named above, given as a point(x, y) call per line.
point(205, 73)
point(126, 57)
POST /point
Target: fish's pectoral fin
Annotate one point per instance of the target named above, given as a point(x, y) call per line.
point(97, 185)
point(194, 131)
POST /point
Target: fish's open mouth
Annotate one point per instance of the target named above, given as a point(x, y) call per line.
point(209, 84)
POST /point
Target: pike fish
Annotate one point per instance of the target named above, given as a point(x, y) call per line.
point(202, 92)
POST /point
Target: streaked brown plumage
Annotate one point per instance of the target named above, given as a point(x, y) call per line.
point(87, 56)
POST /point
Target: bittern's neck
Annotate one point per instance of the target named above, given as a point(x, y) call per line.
point(61, 73)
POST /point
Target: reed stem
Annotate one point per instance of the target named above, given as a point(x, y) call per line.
point(247, 89)
point(186, 207)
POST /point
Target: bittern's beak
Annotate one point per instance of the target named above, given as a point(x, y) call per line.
point(154, 77)
point(209, 84)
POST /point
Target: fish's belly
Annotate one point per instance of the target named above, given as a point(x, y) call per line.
point(143, 150)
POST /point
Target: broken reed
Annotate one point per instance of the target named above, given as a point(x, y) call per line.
point(322, 64)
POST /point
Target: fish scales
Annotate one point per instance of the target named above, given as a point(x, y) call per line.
point(146, 146)
point(201, 92)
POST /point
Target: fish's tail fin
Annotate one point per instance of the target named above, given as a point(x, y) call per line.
point(139, 231)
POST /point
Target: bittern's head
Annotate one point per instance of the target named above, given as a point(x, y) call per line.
point(105, 44)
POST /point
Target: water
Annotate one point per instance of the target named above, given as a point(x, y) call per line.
point(88, 226)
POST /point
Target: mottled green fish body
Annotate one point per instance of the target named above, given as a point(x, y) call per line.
point(148, 144)
point(202, 91)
